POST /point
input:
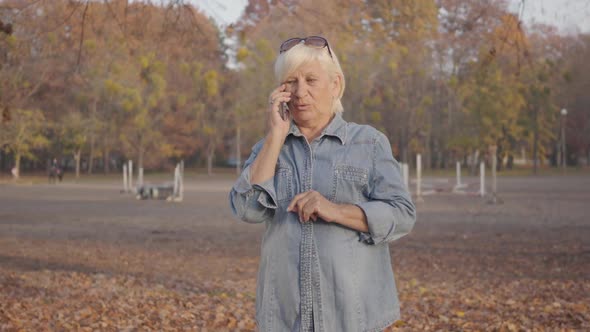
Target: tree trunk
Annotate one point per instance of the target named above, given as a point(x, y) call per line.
point(107, 157)
point(535, 143)
point(91, 156)
point(140, 158)
point(474, 162)
point(92, 136)
point(140, 153)
point(17, 164)
point(77, 155)
point(428, 150)
point(3, 157)
point(535, 150)
point(210, 154)
point(238, 151)
point(403, 149)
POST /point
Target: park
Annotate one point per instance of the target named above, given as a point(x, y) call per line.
point(125, 124)
point(83, 256)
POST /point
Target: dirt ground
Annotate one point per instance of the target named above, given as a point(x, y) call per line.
point(82, 256)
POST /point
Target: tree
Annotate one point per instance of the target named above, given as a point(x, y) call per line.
point(23, 134)
point(74, 135)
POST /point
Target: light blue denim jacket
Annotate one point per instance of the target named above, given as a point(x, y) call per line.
point(321, 276)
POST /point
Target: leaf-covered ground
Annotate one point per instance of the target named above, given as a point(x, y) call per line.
point(82, 257)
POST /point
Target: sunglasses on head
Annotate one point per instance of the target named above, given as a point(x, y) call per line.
point(313, 41)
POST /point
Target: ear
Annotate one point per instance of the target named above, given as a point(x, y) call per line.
point(336, 85)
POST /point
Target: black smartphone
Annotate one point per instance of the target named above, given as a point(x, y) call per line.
point(283, 111)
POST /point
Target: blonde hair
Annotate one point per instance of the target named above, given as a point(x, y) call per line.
point(299, 54)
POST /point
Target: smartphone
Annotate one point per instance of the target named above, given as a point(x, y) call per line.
point(284, 111)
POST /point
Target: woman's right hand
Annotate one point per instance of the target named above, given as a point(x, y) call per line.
point(278, 126)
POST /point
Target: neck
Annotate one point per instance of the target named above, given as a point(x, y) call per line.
point(313, 130)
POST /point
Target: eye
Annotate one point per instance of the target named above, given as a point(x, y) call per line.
point(311, 79)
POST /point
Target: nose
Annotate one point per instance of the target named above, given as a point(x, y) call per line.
point(299, 89)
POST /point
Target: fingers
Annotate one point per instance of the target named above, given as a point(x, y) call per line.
point(298, 201)
point(306, 205)
point(294, 201)
point(275, 99)
point(279, 95)
point(310, 208)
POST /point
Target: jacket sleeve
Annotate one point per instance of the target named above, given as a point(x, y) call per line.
point(390, 212)
point(253, 203)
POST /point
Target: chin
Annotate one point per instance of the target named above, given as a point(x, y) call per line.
point(304, 116)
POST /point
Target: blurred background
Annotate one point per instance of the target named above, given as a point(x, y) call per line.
point(180, 89)
point(96, 83)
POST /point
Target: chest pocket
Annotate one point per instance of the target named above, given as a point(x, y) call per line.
point(349, 184)
point(284, 184)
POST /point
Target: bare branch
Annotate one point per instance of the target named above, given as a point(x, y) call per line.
point(82, 35)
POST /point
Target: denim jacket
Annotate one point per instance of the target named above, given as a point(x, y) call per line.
point(321, 276)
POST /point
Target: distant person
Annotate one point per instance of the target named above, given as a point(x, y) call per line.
point(331, 196)
point(55, 172)
point(14, 172)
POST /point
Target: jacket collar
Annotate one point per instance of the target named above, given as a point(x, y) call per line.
point(336, 128)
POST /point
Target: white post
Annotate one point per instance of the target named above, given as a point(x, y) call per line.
point(176, 175)
point(458, 174)
point(238, 152)
point(482, 176)
point(140, 177)
point(419, 178)
point(181, 181)
point(563, 141)
point(494, 182)
point(406, 175)
point(125, 184)
point(130, 175)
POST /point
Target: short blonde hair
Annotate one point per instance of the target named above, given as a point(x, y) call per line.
point(299, 54)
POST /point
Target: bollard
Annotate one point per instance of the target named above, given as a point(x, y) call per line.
point(419, 178)
point(459, 186)
point(458, 174)
point(130, 177)
point(181, 181)
point(125, 184)
point(176, 175)
point(406, 175)
point(482, 175)
point(140, 177)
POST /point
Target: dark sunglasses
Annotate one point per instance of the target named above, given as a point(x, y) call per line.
point(313, 41)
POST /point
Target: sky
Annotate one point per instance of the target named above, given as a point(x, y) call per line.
point(570, 16)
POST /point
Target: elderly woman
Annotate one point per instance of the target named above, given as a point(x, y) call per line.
point(332, 198)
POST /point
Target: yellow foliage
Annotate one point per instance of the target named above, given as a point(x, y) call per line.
point(90, 44)
point(211, 83)
point(11, 40)
point(375, 117)
point(181, 100)
point(242, 54)
point(144, 62)
point(185, 68)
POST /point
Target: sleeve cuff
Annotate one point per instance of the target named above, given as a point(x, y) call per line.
point(267, 191)
point(267, 196)
point(378, 221)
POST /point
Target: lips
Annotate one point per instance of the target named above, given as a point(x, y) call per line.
point(302, 106)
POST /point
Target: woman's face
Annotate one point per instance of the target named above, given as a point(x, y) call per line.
point(312, 93)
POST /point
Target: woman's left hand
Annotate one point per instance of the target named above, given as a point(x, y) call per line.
point(312, 205)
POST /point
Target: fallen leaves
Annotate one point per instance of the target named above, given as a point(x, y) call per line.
point(462, 269)
point(45, 299)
